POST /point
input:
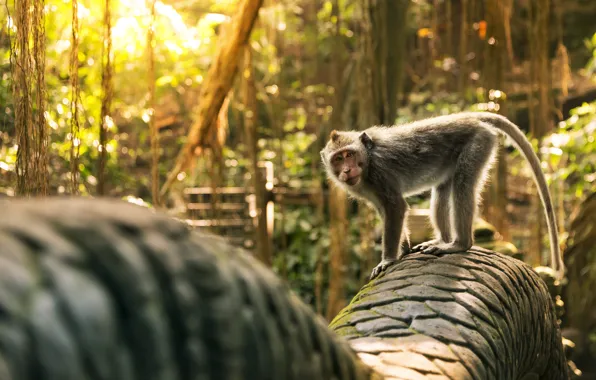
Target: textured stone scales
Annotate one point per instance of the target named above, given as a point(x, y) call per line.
point(106, 290)
point(469, 315)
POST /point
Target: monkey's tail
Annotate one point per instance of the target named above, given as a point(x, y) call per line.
point(506, 126)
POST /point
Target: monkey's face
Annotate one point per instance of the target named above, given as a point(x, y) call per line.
point(346, 165)
point(345, 157)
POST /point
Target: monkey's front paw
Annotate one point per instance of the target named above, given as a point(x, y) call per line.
point(384, 264)
point(440, 248)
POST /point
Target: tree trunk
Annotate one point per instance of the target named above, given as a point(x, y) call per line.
point(449, 33)
point(106, 101)
point(28, 88)
point(463, 49)
point(311, 78)
point(367, 117)
point(152, 125)
point(278, 118)
point(217, 84)
point(579, 295)
point(263, 242)
point(379, 87)
point(338, 251)
point(338, 229)
point(75, 141)
point(495, 205)
point(540, 107)
point(564, 79)
point(215, 182)
point(388, 28)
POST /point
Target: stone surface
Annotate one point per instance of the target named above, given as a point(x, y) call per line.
point(470, 315)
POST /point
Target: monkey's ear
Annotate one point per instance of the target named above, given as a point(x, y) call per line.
point(366, 140)
point(334, 135)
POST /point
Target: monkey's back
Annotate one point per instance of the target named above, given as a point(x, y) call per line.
point(421, 154)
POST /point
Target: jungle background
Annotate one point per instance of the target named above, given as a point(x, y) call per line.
point(216, 111)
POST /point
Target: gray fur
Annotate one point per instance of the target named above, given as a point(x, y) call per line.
point(450, 155)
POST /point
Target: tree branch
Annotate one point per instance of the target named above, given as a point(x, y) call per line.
point(217, 84)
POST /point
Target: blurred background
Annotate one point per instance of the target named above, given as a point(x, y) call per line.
point(309, 66)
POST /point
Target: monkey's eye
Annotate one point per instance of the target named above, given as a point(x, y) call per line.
point(338, 158)
point(349, 154)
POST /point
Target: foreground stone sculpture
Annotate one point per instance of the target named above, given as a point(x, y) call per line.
point(470, 315)
point(106, 290)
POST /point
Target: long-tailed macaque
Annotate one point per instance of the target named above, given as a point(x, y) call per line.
point(450, 155)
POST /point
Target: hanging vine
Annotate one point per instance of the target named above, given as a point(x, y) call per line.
point(106, 101)
point(279, 42)
point(565, 79)
point(74, 100)
point(562, 54)
point(507, 7)
point(28, 86)
point(251, 111)
point(152, 125)
point(463, 48)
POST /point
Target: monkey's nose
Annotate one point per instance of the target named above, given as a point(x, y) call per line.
point(347, 170)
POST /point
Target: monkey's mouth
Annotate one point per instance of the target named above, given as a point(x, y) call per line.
point(352, 181)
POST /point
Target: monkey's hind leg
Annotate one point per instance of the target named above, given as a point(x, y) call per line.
point(469, 176)
point(440, 216)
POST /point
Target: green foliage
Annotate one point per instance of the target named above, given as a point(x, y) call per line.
point(307, 241)
point(591, 45)
point(426, 104)
point(182, 52)
point(572, 151)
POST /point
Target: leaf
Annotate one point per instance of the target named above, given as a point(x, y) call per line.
point(306, 226)
point(482, 30)
point(166, 79)
point(424, 32)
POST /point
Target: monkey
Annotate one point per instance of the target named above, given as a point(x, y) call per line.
point(451, 155)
